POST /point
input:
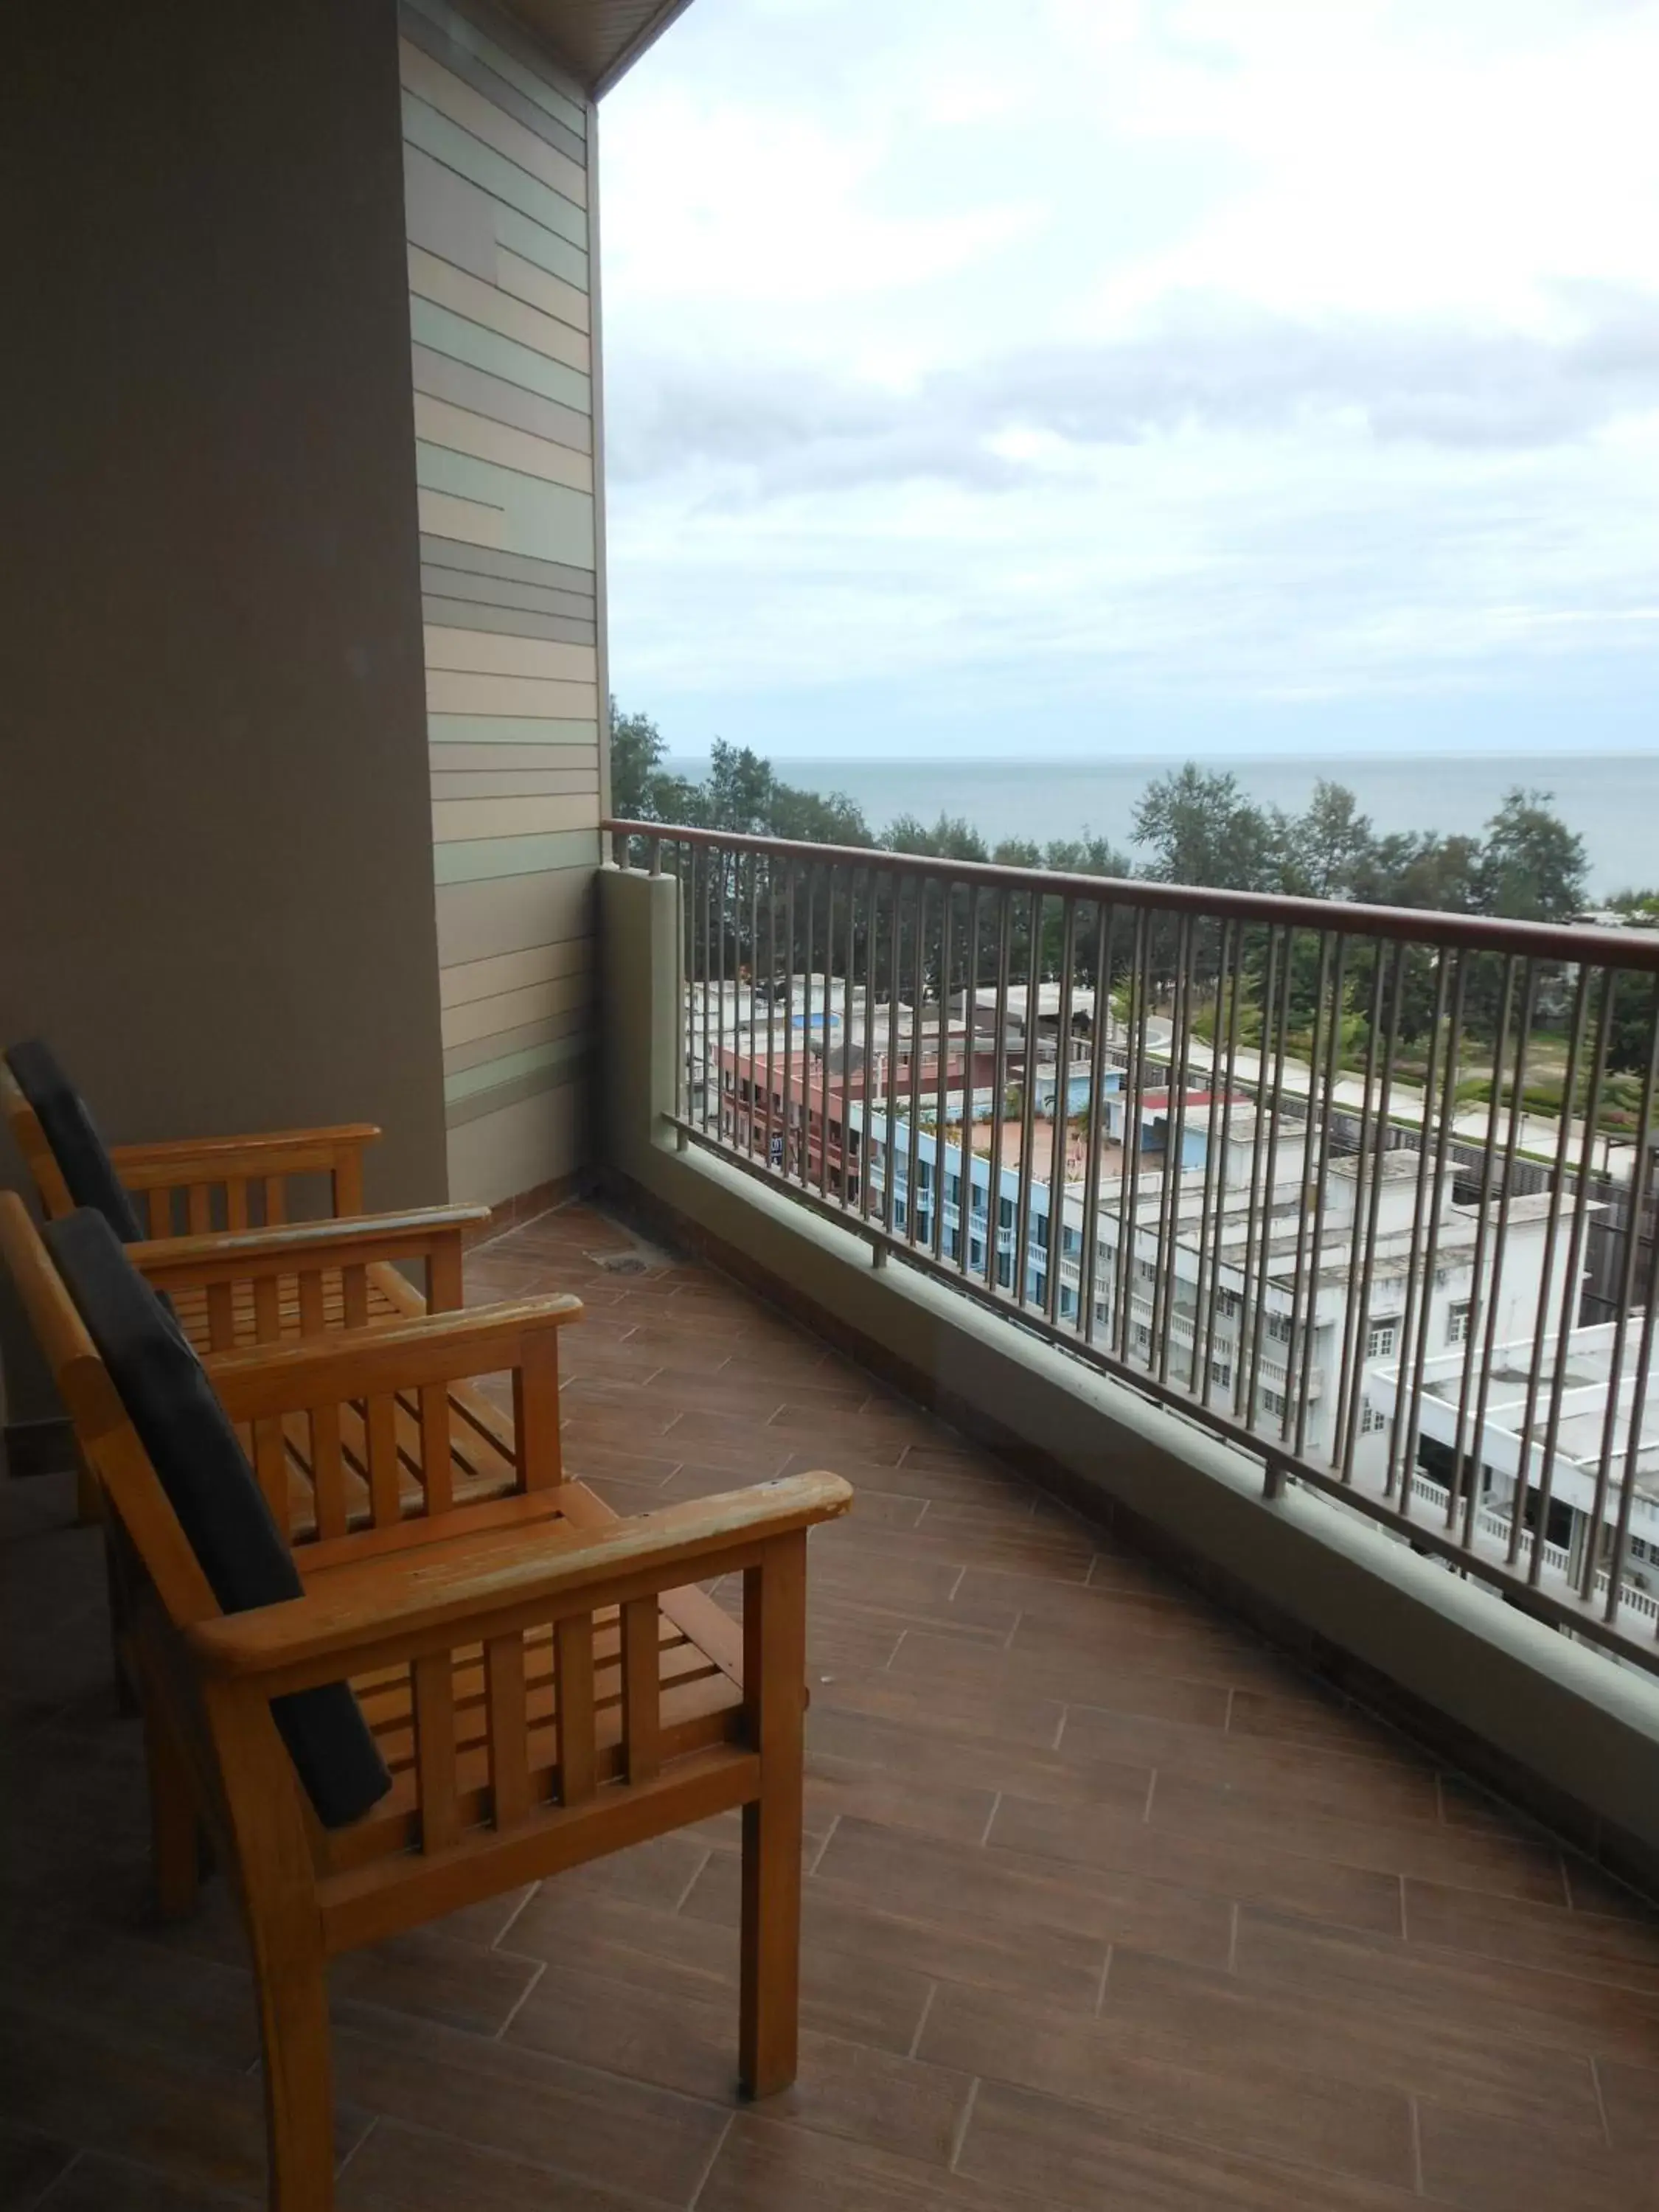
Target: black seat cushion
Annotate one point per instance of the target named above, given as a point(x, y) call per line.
point(202, 1467)
point(82, 1158)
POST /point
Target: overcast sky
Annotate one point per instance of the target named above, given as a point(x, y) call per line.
point(1043, 376)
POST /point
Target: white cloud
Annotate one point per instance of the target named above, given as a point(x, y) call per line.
point(1271, 352)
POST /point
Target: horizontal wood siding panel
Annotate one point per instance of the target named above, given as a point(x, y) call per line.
point(444, 378)
point(550, 522)
point(464, 104)
point(480, 859)
point(500, 44)
point(523, 783)
point(486, 561)
point(550, 294)
point(513, 1010)
point(510, 656)
point(514, 971)
point(508, 1044)
point(468, 1082)
point(461, 587)
point(494, 173)
point(456, 819)
point(511, 729)
point(460, 692)
point(470, 157)
point(510, 621)
point(442, 510)
point(433, 325)
point(447, 217)
point(431, 278)
point(441, 205)
point(437, 40)
point(469, 759)
point(478, 920)
point(497, 267)
point(442, 423)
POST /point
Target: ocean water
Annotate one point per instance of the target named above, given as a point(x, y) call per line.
point(1611, 799)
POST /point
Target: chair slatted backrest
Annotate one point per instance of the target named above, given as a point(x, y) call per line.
point(169, 1462)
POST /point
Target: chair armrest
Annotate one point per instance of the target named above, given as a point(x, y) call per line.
point(383, 1356)
point(182, 1160)
point(244, 1255)
point(480, 1586)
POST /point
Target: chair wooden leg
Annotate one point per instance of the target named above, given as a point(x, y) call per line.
point(285, 1935)
point(775, 1666)
point(176, 1831)
point(293, 1986)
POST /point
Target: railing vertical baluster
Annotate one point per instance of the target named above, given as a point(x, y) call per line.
point(1633, 1441)
point(1208, 1238)
point(708, 962)
point(1425, 1232)
point(1134, 1077)
point(1353, 1345)
point(942, 1067)
point(867, 1074)
point(1165, 1304)
point(1299, 1371)
point(1640, 1175)
point(1408, 1413)
point(889, 1123)
point(844, 1165)
point(1500, 1240)
point(1384, 1124)
point(823, 1041)
point(786, 1104)
point(998, 1086)
point(1035, 914)
point(970, 1040)
point(1571, 1286)
point(1474, 1321)
point(918, 996)
point(1089, 1256)
point(1060, 1147)
point(1258, 1215)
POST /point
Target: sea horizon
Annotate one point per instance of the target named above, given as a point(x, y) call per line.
point(1610, 798)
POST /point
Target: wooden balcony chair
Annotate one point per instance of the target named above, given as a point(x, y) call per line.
point(378, 1729)
point(237, 1271)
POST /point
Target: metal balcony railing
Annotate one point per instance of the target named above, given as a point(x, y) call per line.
point(1405, 1143)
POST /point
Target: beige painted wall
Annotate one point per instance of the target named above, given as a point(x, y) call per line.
point(216, 888)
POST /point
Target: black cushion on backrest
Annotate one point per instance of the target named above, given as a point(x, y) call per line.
point(82, 1158)
point(202, 1467)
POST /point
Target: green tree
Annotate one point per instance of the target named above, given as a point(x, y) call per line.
point(1203, 830)
point(950, 838)
point(1327, 847)
point(1531, 867)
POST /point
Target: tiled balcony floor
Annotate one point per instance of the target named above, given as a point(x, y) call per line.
point(1108, 1907)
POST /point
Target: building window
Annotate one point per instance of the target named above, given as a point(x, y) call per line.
point(1457, 1323)
point(1143, 1337)
point(1221, 1373)
point(1380, 1338)
point(1227, 1306)
point(1147, 1270)
point(1272, 1401)
point(1278, 1327)
point(1372, 1418)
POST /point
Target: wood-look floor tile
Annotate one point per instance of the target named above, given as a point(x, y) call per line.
point(436, 1976)
point(1210, 1863)
point(1073, 2154)
point(1258, 2103)
point(1480, 2164)
point(951, 1885)
point(928, 1659)
point(1022, 1957)
point(1554, 2011)
point(97, 2183)
point(1222, 2022)
point(1589, 1947)
point(573, 2119)
point(879, 2097)
point(1629, 2099)
point(403, 2169)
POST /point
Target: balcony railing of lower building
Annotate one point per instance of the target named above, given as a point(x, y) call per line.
point(1366, 1191)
